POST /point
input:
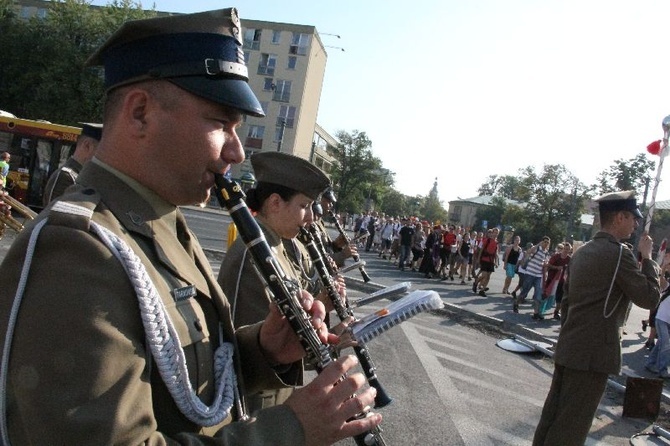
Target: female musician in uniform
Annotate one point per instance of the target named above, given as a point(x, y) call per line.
point(282, 202)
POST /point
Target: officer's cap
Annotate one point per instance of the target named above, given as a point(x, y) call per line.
point(289, 171)
point(619, 201)
point(201, 53)
point(92, 130)
point(329, 195)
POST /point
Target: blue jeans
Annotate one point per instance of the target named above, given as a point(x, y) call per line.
point(405, 251)
point(659, 358)
point(528, 283)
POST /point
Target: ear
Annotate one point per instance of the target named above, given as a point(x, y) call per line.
point(137, 105)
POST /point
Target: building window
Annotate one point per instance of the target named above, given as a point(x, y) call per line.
point(267, 64)
point(247, 55)
point(264, 106)
point(287, 114)
point(299, 44)
point(252, 39)
point(256, 131)
point(276, 36)
point(268, 84)
point(282, 91)
point(292, 62)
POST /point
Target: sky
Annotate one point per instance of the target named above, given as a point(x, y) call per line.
point(460, 90)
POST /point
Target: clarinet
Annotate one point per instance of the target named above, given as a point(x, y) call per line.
point(356, 257)
point(343, 310)
point(283, 290)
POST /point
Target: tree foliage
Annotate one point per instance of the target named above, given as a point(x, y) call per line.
point(552, 201)
point(632, 174)
point(42, 64)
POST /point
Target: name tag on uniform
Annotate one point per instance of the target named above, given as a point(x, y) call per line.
point(183, 293)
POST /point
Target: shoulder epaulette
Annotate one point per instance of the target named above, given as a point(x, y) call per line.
point(75, 211)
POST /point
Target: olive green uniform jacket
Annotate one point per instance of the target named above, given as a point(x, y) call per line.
point(60, 180)
point(590, 337)
point(80, 371)
point(250, 301)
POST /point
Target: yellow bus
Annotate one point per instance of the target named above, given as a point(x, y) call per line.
point(37, 149)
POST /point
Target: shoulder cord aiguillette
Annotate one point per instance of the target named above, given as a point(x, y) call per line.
point(160, 334)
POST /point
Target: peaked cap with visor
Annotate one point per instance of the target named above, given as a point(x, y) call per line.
point(201, 53)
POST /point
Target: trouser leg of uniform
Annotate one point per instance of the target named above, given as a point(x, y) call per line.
point(568, 411)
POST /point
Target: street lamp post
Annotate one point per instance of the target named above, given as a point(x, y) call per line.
point(282, 123)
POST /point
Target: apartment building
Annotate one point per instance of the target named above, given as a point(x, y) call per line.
point(287, 65)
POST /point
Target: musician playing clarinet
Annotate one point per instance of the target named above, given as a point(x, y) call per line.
point(338, 249)
point(282, 199)
point(113, 327)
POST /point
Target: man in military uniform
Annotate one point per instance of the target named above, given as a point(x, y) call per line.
point(282, 200)
point(115, 331)
point(338, 249)
point(66, 175)
point(603, 278)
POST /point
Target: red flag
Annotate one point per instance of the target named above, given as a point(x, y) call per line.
point(654, 148)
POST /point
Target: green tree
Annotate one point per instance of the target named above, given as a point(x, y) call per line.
point(42, 64)
point(492, 214)
point(632, 174)
point(356, 172)
point(507, 186)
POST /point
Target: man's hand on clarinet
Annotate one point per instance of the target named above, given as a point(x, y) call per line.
point(326, 407)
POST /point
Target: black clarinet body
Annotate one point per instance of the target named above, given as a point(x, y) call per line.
point(355, 257)
point(310, 238)
point(284, 291)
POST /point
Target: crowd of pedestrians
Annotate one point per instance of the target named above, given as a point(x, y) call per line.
point(454, 253)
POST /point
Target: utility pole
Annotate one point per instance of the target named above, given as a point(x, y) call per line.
point(282, 123)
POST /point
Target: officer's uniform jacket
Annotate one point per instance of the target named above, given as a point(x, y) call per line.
point(590, 337)
point(250, 301)
point(80, 371)
point(338, 256)
point(61, 179)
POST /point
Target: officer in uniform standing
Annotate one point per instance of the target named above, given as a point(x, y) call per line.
point(114, 329)
point(286, 188)
point(66, 175)
point(604, 277)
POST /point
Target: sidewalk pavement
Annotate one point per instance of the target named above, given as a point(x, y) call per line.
point(494, 312)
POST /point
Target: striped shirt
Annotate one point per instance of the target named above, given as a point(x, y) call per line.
point(536, 263)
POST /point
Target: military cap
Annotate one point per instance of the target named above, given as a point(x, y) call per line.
point(201, 53)
point(289, 171)
point(329, 194)
point(619, 201)
point(92, 130)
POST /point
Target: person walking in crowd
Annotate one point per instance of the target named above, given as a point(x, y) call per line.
point(604, 276)
point(462, 261)
point(471, 255)
point(510, 259)
point(488, 260)
point(66, 175)
point(406, 235)
point(386, 234)
point(534, 272)
point(557, 267)
point(431, 255)
point(99, 380)
point(659, 357)
point(448, 254)
point(418, 244)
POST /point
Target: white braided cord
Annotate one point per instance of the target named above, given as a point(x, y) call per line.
point(165, 346)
